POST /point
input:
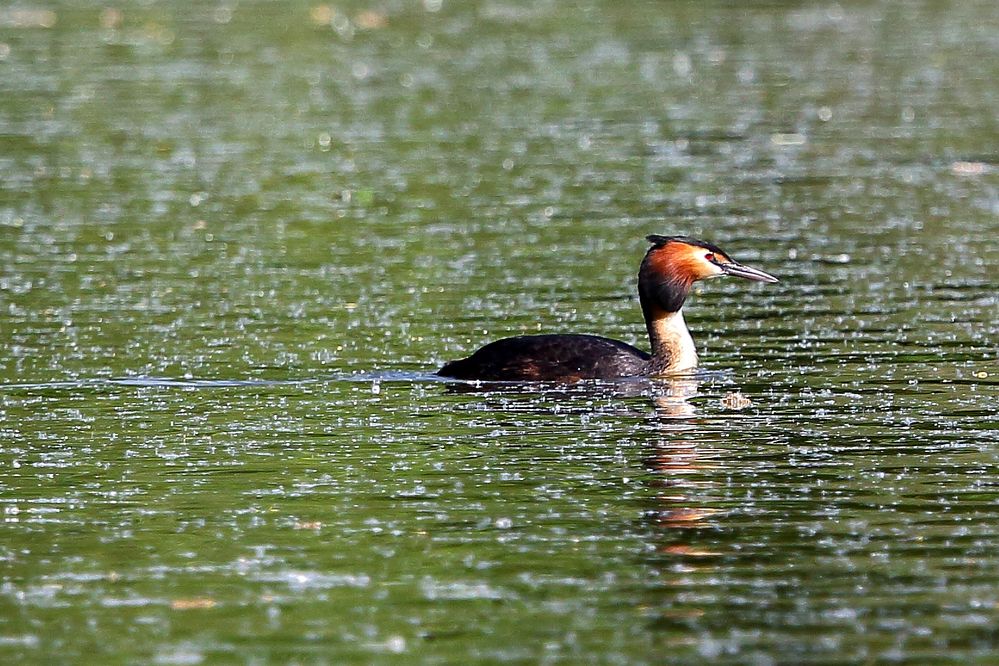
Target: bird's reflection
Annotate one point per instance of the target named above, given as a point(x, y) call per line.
point(672, 396)
point(678, 464)
point(680, 460)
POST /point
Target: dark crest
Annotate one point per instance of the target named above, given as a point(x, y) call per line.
point(659, 241)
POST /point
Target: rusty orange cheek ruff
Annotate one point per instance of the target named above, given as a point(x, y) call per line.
point(685, 264)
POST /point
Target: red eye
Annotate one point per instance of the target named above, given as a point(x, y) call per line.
point(710, 257)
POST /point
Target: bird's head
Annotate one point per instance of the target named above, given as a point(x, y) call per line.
point(674, 263)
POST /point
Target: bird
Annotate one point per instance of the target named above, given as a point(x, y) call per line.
point(670, 267)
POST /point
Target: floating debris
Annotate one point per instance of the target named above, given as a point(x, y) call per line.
point(322, 14)
point(735, 400)
point(28, 18)
point(968, 168)
point(688, 551)
point(193, 603)
point(787, 139)
point(371, 20)
point(111, 18)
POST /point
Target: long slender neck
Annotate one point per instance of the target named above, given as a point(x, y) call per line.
point(662, 305)
point(672, 347)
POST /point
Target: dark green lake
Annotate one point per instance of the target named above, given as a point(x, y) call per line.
point(236, 239)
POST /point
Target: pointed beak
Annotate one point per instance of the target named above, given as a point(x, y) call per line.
point(738, 270)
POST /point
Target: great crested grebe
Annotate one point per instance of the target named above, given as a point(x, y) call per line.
point(669, 268)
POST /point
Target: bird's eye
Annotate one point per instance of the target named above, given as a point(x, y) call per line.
point(710, 257)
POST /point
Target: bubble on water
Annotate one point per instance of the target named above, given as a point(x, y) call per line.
point(360, 70)
point(342, 25)
point(223, 14)
point(181, 656)
point(682, 64)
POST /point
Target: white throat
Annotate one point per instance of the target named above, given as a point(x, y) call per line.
point(672, 347)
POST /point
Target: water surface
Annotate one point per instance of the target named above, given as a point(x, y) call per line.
point(237, 240)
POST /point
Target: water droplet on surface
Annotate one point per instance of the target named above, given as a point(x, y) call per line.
point(396, 644)
point(681, 64)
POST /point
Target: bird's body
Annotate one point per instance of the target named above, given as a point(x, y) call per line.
point(669, 269)
point(561, 358)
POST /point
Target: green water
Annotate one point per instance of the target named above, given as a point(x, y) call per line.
point(237, 238)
